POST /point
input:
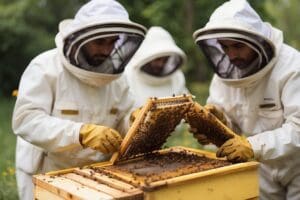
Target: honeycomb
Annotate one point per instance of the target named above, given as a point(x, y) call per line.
point(206, 123)
point(159, 166)
point(156, 121)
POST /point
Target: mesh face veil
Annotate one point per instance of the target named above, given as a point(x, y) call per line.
point(104, 48)
point(162, 66)
point(223, 64)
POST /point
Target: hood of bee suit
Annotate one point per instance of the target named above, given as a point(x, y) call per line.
point(94, 20)
point(157, 43)
point(237, 20)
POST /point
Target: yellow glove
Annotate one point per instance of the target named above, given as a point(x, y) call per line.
point(202, 139)
point(101, 138)
point(217, 113)
point(134, 114)
point(236, 149)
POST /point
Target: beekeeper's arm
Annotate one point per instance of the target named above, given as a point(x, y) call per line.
point(32, 120)
point(101, 138)
point(283, 141)
point(277, 143)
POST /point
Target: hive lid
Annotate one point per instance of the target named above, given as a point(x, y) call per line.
point(155, 122)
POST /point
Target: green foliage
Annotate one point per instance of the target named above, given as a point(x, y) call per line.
point(200, 91)
point(286, 14)
point(8, 188)
point(181, 19)
point(181, 136)
point(27, 28)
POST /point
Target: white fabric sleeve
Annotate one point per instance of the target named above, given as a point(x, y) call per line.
point(283, 141)
point(180, 83)
point(214, 98)
point(32, 118)
point(129, 103)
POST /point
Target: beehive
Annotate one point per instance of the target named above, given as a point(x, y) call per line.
point(153, 126)
point(140, 170)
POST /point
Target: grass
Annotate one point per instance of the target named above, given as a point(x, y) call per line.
point(8, 188)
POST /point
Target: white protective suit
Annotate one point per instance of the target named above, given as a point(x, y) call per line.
point(55, 99)
point(265, 106)
point(157, 43)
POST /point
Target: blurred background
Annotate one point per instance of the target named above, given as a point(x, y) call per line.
point(28, 27)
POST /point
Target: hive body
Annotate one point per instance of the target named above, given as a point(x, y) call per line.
point(141, 170)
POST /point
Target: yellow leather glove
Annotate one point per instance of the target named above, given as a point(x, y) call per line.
point(202, 139)
point(236, 149)
point(134, 114)
point(216, 112)
point(101, 138)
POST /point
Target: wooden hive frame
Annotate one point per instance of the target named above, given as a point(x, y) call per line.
point(150, 125)
point(149, 182)
point(89, 183)
point(206, 123)
point(99, 181)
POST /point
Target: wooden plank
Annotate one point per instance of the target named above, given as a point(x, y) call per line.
point(237, 185)
point(101, 178)
point(41, 194)
point(137, 181)
point(59, 172)
point(156, 180)
point(100, 164)
point(68, 189)
point(117, 194)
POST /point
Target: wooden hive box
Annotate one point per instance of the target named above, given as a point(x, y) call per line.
point(141, 170)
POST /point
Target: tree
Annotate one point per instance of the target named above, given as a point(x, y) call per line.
point(27, 28)
point(286, 14)
point(181, 19)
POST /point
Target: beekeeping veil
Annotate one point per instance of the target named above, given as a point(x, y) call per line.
point(167, 65)
point(158, 44)
point(236, 21)
point(96, 21)
point(159, 50)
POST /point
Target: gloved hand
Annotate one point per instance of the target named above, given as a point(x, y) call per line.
point(134, 114)
point(101, 138)
point(236, 149)
point(217, 113)
point(202, 139)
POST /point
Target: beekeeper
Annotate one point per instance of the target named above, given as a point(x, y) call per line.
point(154, 70)
point(72, 103)
point(256, 86)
